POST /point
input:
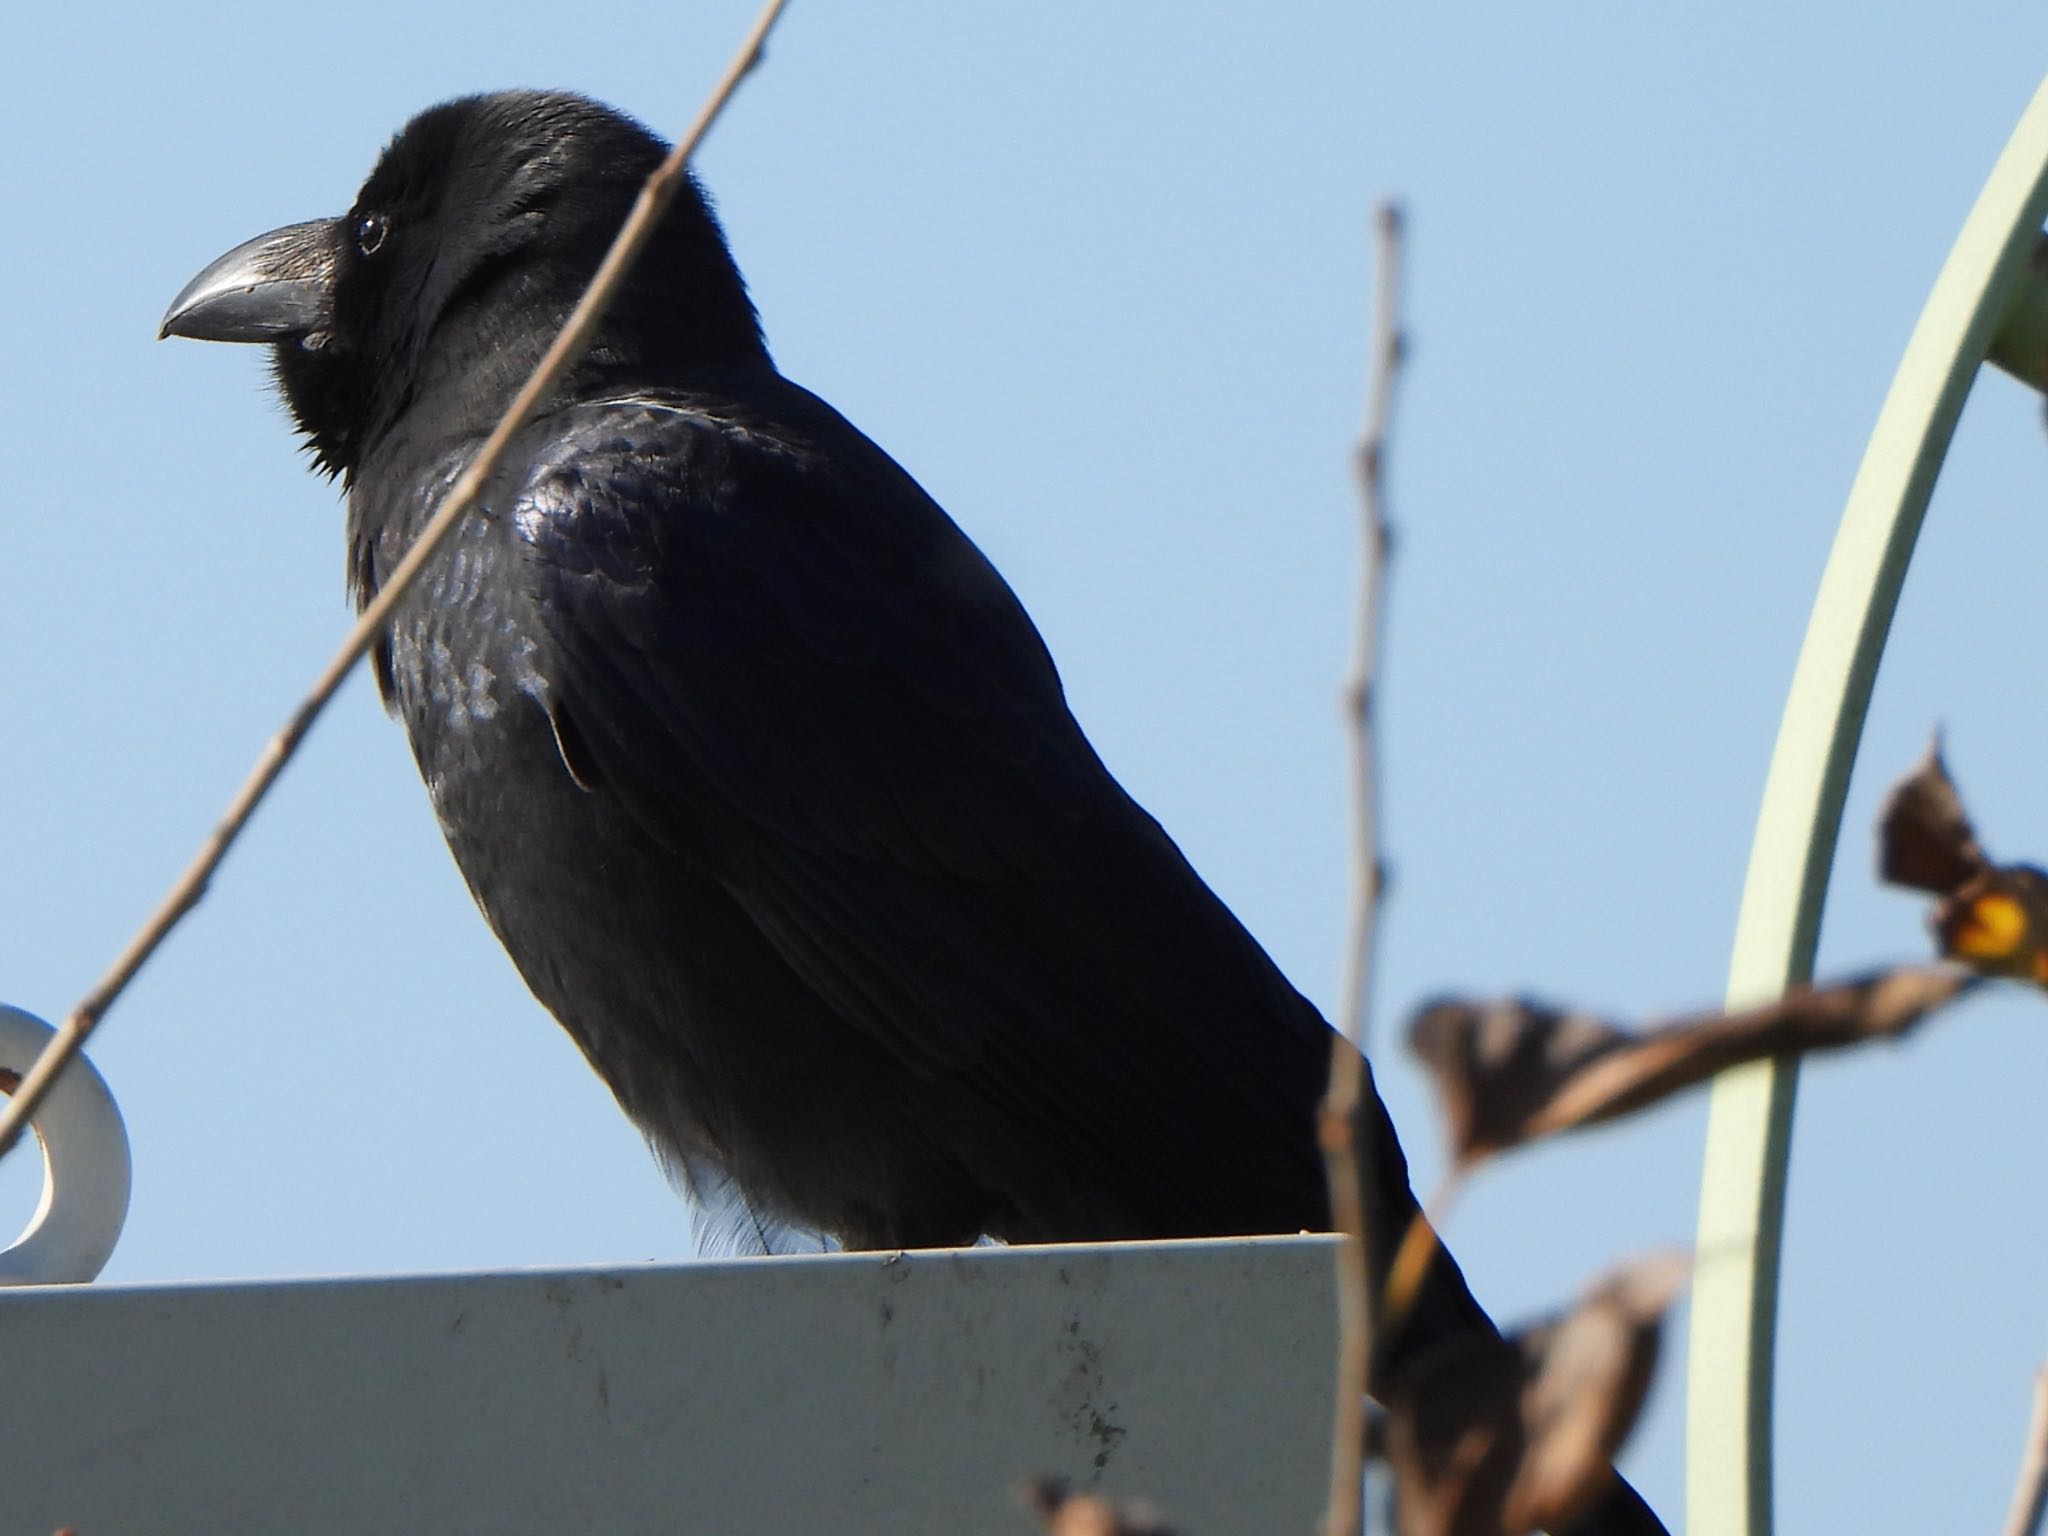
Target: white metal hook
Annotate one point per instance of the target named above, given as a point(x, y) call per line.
point(85, 1167)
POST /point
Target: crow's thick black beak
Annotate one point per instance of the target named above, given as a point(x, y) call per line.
point(272, 288)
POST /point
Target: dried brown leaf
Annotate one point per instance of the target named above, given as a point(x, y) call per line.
point(1500, 1437)
point(1066, 1513)
point(1496, 1064)
point(1924, 839)
point(1512, 1071)
point(1990, 917)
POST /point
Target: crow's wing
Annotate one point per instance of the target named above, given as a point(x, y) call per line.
point(795, 669)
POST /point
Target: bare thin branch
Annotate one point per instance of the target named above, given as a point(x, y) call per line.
point(561, 356)
point(2031, 1496)
point(1368, 868)
point(1343, 1146)
point(1417, 1250)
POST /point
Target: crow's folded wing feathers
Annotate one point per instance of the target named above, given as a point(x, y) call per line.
point(794, 668)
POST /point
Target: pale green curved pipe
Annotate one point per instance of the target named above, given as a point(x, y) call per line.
point(1742, 1192)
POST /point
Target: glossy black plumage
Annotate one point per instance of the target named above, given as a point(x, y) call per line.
point(751, 759)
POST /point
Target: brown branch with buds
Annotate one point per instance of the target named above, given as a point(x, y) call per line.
point(1348, 1098)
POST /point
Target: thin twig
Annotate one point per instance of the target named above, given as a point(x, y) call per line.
point(568, 346)
point(2031, 1496)
point(1417, 1250)
point(1343, 1146)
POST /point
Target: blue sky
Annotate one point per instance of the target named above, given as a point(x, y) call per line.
point(1100, 277)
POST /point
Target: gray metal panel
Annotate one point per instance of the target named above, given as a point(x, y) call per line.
point(842, 1393)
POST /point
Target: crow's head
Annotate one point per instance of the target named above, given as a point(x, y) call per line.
point(463, 254)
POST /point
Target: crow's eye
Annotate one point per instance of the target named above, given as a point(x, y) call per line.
point(371, 229)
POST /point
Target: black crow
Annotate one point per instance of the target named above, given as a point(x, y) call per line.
point(751, 759)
